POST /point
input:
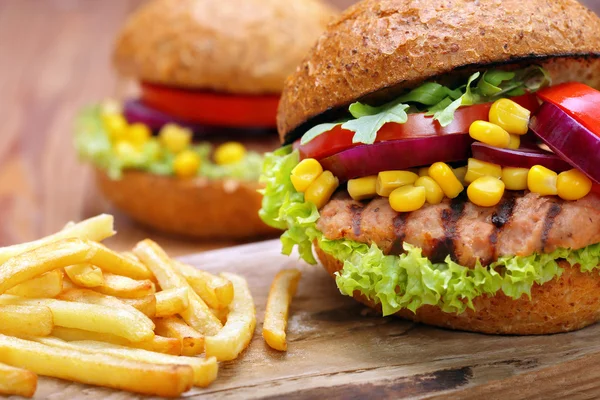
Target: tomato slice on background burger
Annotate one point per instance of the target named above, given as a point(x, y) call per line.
point(418, 125)
point(212, 108)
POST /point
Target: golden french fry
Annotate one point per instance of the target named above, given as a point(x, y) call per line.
point(28, 265)
point(97, 228)
point(91, 297)
point(197, 315)
point(205, 370)
point(111, 261)
point(158, 344)
point(97, 369)
point(122, 286)
point(17, 381)
point(85, 275)
point(235, 336)
point(221, 314)
point(192, 341)
point(31, 320)
point(46, 285)
point(146, 304)
point(130, 255)
point(216, 291)
point(92, 317)
point(172, 301)
point(282, 290)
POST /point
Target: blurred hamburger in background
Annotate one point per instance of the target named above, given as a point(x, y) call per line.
point(185, 156)
point(416, 162)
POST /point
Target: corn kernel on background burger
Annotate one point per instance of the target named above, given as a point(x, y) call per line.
point(414, 163)
point(185, 156)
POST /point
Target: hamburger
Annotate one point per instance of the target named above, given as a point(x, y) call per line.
point(440, 158)
point(184, 156)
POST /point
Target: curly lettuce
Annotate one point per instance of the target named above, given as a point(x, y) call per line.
point(437, 100)
point(93, 144)
point(409, 280)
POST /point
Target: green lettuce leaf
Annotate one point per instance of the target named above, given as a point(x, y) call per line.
point(408, 280)
point(93, 144)
point(445, 116)
point(365, 128)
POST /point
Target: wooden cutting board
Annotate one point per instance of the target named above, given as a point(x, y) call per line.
point(339, 349)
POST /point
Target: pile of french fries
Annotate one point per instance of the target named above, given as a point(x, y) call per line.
point(71, 308)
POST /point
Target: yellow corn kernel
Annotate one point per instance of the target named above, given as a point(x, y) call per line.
point(541, 180)
point(115, 125)
point(485, 191)
point(515, 178)
point(186, 164)
point(510, 116)
point(477, 168)
point(126, 152)
point(515, 142)
point(423, 171)
point(138, 134)
point(175, 138)
point(229, 153)
point(433, 191)
point(443, 175)
point(408, 198)
point(573, 185)
point(460, 174)
point(319, 192)
point(489, 133)
point(363, 188)
point(388, 181)
point(305, 173)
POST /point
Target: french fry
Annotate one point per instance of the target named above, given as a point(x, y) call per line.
point(216, 291)
point(158, 344)
point(85, 275)
point(17, 381)
point(235, 336)
point(97, 229)
point(197, 315)
point(146, 305)
point(172, 301)
point(122, 286)
point(28, 265)
point(205, 370)
point(46, 285)
point(221, 314)
point(192, 342)
point(165, 380)
point(282, 290)
point(111, 261)
point(20, 320)
point(64, 253)
point(91, 297)
point(91, 317)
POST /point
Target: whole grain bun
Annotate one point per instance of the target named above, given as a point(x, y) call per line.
point(564, 304)
point(198, 208)
point(384, 47)
point(238, 46)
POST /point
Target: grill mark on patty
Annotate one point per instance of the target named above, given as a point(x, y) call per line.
point(450, 218)
point(501, 217)
point(553, 211)
point(356, 218)
point(400, 233)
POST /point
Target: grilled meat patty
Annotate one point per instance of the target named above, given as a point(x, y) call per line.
point(521, 224)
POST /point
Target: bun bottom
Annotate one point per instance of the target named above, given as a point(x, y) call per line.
point(196, 208)
point(564, 304)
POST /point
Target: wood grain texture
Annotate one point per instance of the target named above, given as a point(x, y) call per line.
point(338, 349)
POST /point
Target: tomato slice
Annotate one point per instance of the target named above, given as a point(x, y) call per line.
point(211, 108)
point(417, 126)
point(578, 100)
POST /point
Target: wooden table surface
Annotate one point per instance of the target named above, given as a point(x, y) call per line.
point(54, 58)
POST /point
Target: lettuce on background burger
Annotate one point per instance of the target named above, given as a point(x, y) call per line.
point(184, 157)
point(416, 162)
